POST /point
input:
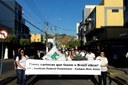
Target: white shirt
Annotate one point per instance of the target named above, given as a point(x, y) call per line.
point(127, 55)
point(90, 56)
point(69, 58)
point(104, 61)
point(22, 61)
point(82, 54)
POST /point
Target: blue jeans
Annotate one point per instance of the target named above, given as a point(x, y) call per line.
point(17, 76)
point(21, 77)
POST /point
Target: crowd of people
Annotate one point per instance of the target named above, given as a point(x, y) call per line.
point(89, 56)
point(70, 55)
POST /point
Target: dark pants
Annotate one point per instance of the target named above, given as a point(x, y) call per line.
point(103, 77)
point(93, 79)
point(21, 76)
point(17, 75)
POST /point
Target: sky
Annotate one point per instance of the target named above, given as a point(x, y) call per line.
point(62, 15)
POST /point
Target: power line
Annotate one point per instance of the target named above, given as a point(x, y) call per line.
point(61, 27)
point(34, 26)
point(39, 16)
point(29, 15)
point(45, 18)
point(37, 13)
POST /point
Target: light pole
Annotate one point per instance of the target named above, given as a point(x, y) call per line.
point(46, 34)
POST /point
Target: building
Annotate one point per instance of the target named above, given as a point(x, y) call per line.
point(82, 27)
point(125, 13)
point(87, 10)
point(7, 15)
point(77, 25)
point(106, 29)
point(11, 19)
point(36, 38)
point(24, 31)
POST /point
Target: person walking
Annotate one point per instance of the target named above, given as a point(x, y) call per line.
point(90, 55)
point(15, 65)
point(104, 69)
point(21, 62)
point(69, 56)
point(37, 54)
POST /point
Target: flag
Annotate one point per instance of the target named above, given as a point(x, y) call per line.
point(54, 54)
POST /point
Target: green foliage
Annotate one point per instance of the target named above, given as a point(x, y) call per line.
point(73, 43)
point(24, 41)
point(10, 38)
point(42, 39)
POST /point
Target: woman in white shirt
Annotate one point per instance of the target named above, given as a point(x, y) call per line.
point(104, 69)
point(69, 56)
point(21, 62)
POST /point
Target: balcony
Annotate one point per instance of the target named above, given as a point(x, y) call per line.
point(90, 21)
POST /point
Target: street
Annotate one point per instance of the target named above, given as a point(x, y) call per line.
point(118, 75)
point(61, 80)
point(59, 42)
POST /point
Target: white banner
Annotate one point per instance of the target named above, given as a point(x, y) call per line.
point(42, 67)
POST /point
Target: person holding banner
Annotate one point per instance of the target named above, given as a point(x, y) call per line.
point(15, 65)
point(69, 57)
point(104, 69)
point(37, 54)
point(90, 55)
point(21, 63)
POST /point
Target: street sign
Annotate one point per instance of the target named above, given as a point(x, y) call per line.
point(3, 34)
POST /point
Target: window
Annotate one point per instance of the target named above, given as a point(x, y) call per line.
point(125, 5)
point(115, 10)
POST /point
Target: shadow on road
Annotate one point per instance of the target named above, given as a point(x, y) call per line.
point(64, 77)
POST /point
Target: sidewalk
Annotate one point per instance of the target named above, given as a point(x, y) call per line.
point(7, 77)
point(118, 75)
point(8, 72)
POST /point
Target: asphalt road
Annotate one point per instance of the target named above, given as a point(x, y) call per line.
point(64, 82)
point(61, 80)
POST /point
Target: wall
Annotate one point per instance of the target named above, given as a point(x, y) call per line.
point(110, 14)
point(99, 16)
point(114, 18)
point(113, 3)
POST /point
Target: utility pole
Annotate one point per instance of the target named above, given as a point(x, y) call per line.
point(46, 35)
point(53, 28)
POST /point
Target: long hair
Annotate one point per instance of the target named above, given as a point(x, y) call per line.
point(19, 53)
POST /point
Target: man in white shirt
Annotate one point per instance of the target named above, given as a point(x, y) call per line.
point(90, 56)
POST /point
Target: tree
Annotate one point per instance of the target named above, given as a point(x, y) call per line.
point(9, 43)
point(24, 41)
point(42, 39)
point(10, 38)
point(73, 43)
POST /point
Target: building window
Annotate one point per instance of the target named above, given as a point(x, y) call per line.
point(115, 10)
point(125, 5)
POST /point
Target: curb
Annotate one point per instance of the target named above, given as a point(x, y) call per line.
point(118, 79)
point(7, 79)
